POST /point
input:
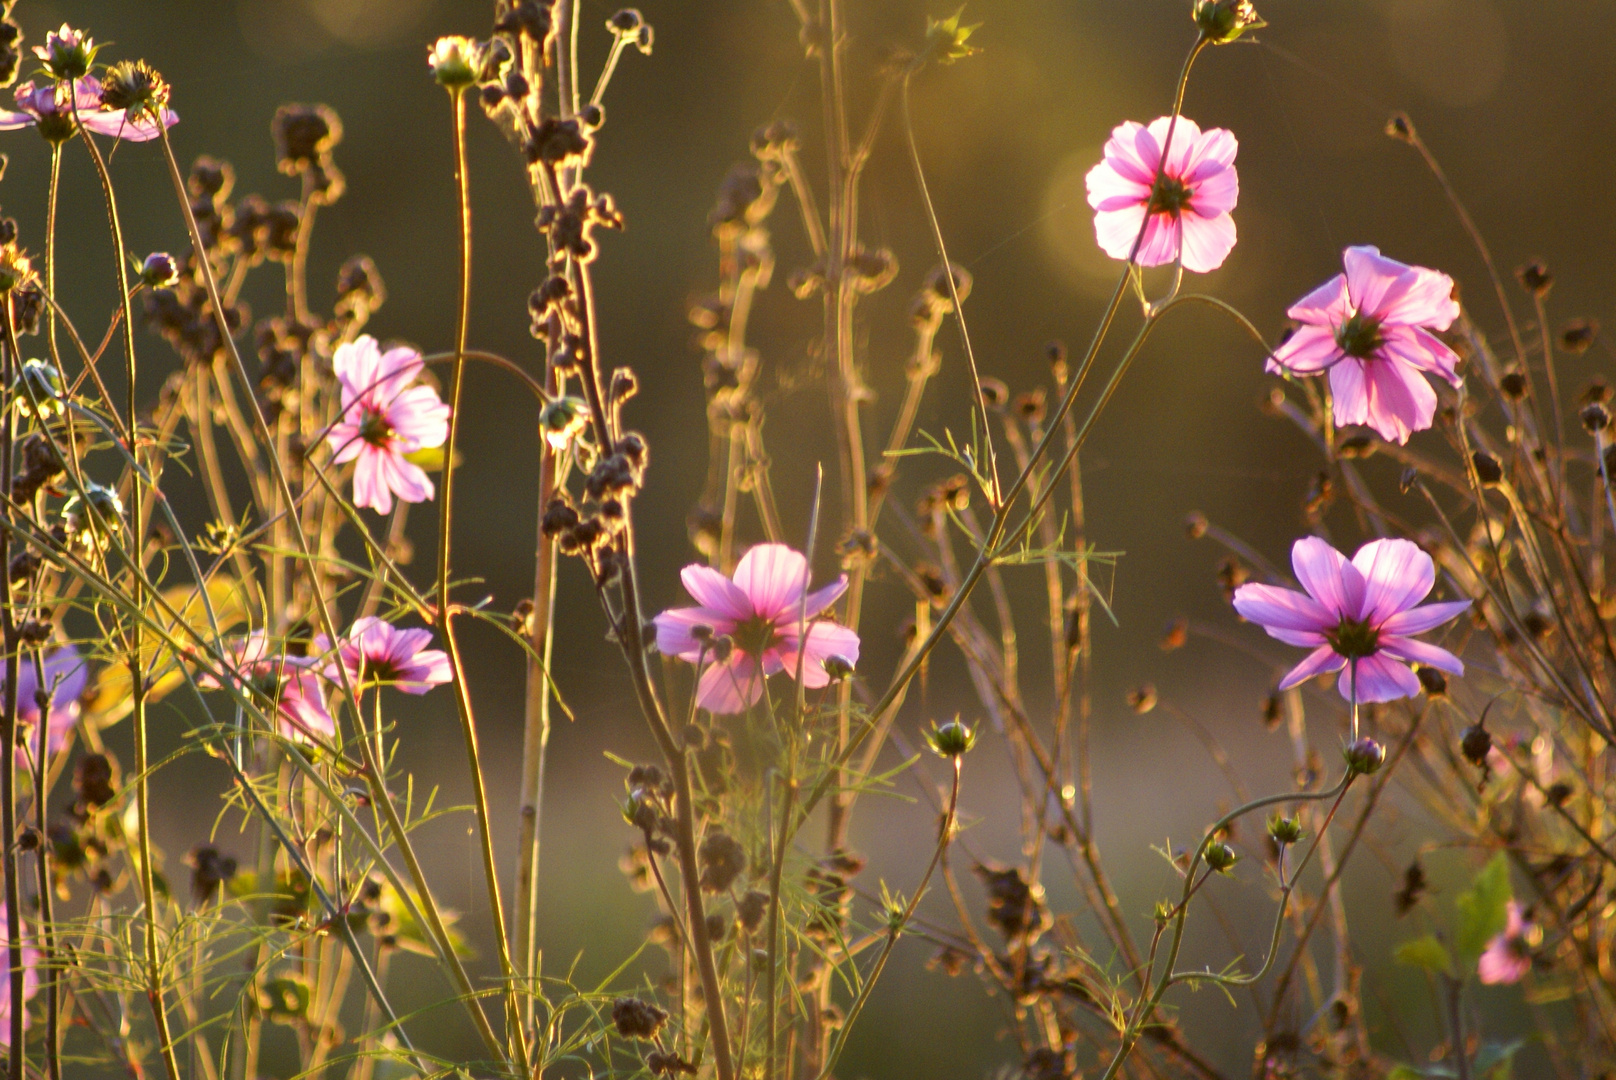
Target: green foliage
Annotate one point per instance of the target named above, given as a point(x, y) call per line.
point(1481, 909)
point(946, 38)
point(1425, 952)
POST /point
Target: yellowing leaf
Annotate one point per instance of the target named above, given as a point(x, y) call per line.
point(111, 700)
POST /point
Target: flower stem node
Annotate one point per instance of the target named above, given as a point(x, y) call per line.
point(1223, 21)
point(951, 740)
point(1220, 857)
point(1364, 757)
point(1285, 830)
point(454, 61)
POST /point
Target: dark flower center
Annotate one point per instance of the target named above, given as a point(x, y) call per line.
point(1354, 638)
point(381, 669)
point(375, 429)
point(755, 636)
point(1169, 195)
point(1359, 337)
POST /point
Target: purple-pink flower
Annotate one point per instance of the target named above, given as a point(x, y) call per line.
point(384, 418)
point(1371, 329)
point(49, 108)
point(765, 613)
point(377, 652)
point(1187, 204)
point(1508, 956)
point(286, 683)
point(30, 976)
point(1358, 617)
point(65, 674)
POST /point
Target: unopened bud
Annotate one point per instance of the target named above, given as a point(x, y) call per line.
point(1595, 417)
point(454, 61)
point(838, 667)
point(1223, 21)
point(1488, 469)
point(1476, 743)
point(159, 271)
point(1535, 278)
point(1364, 757)
point(952, 739)
point(1220, 857)
point(1284, 830)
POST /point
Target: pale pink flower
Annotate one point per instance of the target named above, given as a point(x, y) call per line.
point(1356, 615)
point(1371, 329)
point(378, 652)
point(49, 108)
point(286, 683)
point(383, 419)
point(1187, 197)
point(1509, 955)
point(765, 613)
point(65, 674)
point(30, 976)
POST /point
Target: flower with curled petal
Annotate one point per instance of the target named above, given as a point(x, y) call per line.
point(384, 419)
point(770, 617)
point(1358, 617)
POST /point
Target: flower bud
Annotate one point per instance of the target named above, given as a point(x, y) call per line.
point(94, 516)
point(1284, 830)
point(1433, 681)
point(1513, 385)
point(1535, 278)
point(838, 667)
point(1223, 21)
point(1577, 336)
point(1220, 857)
point(454, 61)
point(1195, 525)
point(68, 53)
point(562, 420)
point(159, 271)
point(1364, 757)
point(952, 739)
point(1476, 743)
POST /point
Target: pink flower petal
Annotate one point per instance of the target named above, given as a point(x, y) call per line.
point(1421, 652)
point(1380, 678)
point(369, 478)
point(1421, 297)
point(1321, 660)
point(357, 364)
point(1110, 189)
point(1185, 134)
point(1420, 349)
point(1116, 231)
point(1163, 241)
point(1217, 193)
point(1370, 275)
point(825, 639)
point(1122, 155)
point(773, 577)
point(1207, 241)
point(1309, 351)
point(717, 593)
point(1273, 608)
point(730, 687)
point(1400, 401)
point(1323, 571)
point(1327, 305)
point(1397, 574)
point(673, 637)
point(1419, 620)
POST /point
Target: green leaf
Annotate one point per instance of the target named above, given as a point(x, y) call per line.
point(1404, 1072)
point(1481, 908)
point(429, 458)
point(946, 38)
point(1494, 1060)
point(1425, 952)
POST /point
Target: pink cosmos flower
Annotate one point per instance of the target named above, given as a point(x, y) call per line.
point(378, 652)
point(48, 107)
point(383, 419)
point(30, 977)
point(1371, 329)
point(1188, 204)
point(1356, 616)
point(1509, 955)
point(65, 674)
point(289, 683)
point(764, 612)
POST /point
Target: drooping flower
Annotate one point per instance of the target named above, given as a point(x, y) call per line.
point(49, 108)
point(1358, 617)
point(65, 674)
point(30, 976)
point(1508, 956)
point(1187, 205)
point(383, 419)
point(286, 683)
point(765, 613)
point(377, 652)
point(1371, 329)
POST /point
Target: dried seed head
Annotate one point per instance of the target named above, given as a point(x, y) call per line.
point(1488, 469)
point(636, 1019)
point(1401, 128)
point(1595, 417)
point(1142, 699)
point(1535, 278)
point(1577, 336)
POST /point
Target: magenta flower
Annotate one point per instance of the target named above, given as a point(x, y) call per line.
point(383, 419)
point(286, 683)
point(30, 977)
point(1356, 616)
point(48, 107)
point(65, 674)
point(765, 613)
point(1187, 205)
point(1371, 329)
point(1509, 955)
point(378, 652)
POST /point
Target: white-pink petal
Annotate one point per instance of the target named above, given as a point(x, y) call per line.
point(773, 577)
point(1397, 574)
